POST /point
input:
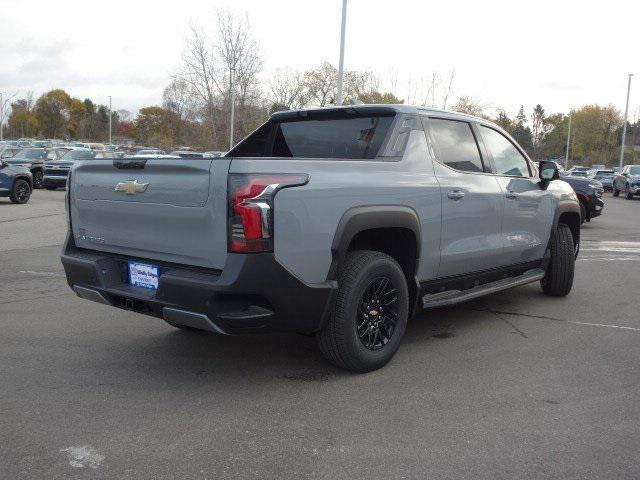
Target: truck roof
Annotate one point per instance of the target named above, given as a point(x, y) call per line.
point(374, 108)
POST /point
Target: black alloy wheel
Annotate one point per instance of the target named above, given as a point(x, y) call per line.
point(21, 192)
point(377, 314)
point(37, 179)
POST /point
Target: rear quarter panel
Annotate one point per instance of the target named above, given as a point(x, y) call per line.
point(306, 218)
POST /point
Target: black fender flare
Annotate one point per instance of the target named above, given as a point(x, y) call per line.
point(359, 219)
point(28, 178)
point(567, 207)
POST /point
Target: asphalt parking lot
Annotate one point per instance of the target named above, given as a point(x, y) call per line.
point(516, 385)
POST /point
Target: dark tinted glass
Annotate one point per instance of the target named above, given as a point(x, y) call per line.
point(256, 144)
point(79, 155)
point(506, 157)
point(455, 144)
point(346, 138)
point(31, 153)
point(354, 138)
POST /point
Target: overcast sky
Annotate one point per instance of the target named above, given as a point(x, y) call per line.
point(558, 53)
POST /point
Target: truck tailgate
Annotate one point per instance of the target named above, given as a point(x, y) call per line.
point(172, 210)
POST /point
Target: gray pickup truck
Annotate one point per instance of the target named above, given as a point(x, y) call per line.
point(336, 222)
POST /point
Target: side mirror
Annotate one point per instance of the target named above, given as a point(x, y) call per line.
point(548, 172)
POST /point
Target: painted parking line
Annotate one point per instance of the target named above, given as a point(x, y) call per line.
point(555, 319)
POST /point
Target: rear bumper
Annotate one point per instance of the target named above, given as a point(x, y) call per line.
point(253, 293)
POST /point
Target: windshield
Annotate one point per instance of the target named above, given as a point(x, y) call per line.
point(29, 154)
point(78, 155)
point(604, 173)
point(634, 170)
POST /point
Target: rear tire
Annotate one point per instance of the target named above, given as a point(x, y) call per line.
point(21, 191)
point(558, 278)
point(370, 315)
point(615, 191)
point(583, 213)
point(629, 194)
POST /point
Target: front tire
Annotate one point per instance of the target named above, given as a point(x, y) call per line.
point(38, 178)
point(629, 194)
point(583, 213)
point(370, 315)
point(21, 191)
point(558, 278)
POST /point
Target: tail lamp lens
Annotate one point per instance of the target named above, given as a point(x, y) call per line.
point(250, 210)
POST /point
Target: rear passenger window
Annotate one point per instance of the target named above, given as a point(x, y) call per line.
point(506, 157)
point(352, 138)
point(337, 135)
point(455, 144)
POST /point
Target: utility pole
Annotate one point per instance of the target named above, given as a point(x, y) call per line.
point(624, 126)
point(231, 102)
point(566, 153)
point(341, 64)
point(109, 119)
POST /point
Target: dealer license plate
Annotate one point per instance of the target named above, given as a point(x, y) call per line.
point(143, 275)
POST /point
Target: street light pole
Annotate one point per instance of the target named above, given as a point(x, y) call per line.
point(341, 64)
point(566, 153)
point(624, 126)
point(232, 115)
point(110, 119)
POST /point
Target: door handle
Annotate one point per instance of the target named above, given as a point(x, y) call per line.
point(511, 194)
point(455, 195)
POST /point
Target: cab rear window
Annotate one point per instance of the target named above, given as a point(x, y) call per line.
point(340, 136)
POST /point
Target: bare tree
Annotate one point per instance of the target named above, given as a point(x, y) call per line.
point(178, 98)
point(5, 102)
point(469, 106)
point(322, 84)
point(200, 73)
point(241, 62)
point(447, 91)
point(125, 116)
point(287, 88)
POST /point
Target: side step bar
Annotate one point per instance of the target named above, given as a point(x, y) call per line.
point(452, 297)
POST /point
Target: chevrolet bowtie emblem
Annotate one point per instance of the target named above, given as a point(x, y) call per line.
point(131, 187)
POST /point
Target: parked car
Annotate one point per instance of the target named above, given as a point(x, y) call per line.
point(15, 182)
point(9, 152)
point(33, 158)
point(187, 154)
point(56, 171)
point(344, 227)
point(42, 144)
point(579, 171)
point(627, 181)
point(598, 166)
point(605, 177)
point(214, 154)
point(150, 151)
point(589, 192)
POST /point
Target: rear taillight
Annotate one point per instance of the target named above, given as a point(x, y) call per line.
point(250, 210)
